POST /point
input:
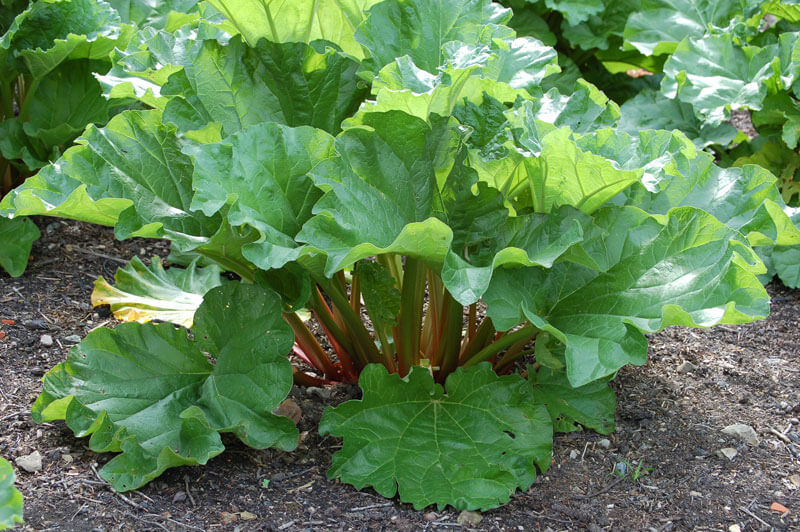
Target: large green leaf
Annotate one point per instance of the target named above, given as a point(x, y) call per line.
point(591, 405)
point(143, 293)
point(650, 109)
point(471, 448)
point(745, 199)
point(384, 191)
point(503, 68)
point(15, 144)
point(715, 74)
point(632, 274)
point(130, 172)
point(50, 32)
point(261, 175)
point(420, 28)
point(298, 20)
point(150, 392)
point(659, 25)
point(65, 102)
point(236, 86)
point(10, 497)
point(16, 239)
point(603, 30)
point(576, 11)
point(161, 14)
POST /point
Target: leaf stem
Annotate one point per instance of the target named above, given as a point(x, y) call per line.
point(479, 339)
point(29, 94)
point(339, 341)
point(363, 344)
point(310, 346)
point(525, 333)
point(412, 297)
point(450, 341)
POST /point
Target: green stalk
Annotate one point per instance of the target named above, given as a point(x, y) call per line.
point(525, 333)
point(479, 340)
point(6, 100)
point(513, 353)
point(230, 265)
point(450, 341)
point(23, 112)
point(432, 328)
point(472, 321)
point(363, 344)
point(412, 296)
point(355, 291)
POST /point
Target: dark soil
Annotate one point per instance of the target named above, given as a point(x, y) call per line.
point(669, 425)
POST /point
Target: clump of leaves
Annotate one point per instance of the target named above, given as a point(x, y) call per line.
point(51, 55)
point(425, 197)
point(687, 66)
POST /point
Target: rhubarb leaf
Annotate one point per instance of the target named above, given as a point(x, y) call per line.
point(632, 274)
point(235, 86)
point(470, 448)
point(419, 28)
point(591, 405)
point(141, 293)
point(150, 392)
point(17, 236)
point(48, 33)
point(659, 25)
point(260, 175)
point(303, 21)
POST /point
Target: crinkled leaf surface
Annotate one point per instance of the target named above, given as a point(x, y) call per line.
point(650, 109)
point(659, 25)
point(591, 405)
point(504, 69)
point(150, 392)
point(237, 86)
point(130, 172)
point(16, 239)
point(632, 274)
point(261, 174)
point(715, 74)
point(67, 99)
point(576, 11)
point(745, 199)
point(48, 33)
point(298, 20)
point(15, 144)
point(383, 192)
point(471, 448)
point(154, 13)
point(603, 30)
point(419, 28)
point(10, 497)
point(141, 293)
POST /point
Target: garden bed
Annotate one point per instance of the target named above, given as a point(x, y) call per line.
point(670, 415)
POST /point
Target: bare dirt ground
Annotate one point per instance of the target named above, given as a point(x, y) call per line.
point(669, 421)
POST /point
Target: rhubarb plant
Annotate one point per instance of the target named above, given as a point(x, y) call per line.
point(482, 249)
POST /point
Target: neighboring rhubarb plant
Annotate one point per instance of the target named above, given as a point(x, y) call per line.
point(483, 255)
point(51, 53)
